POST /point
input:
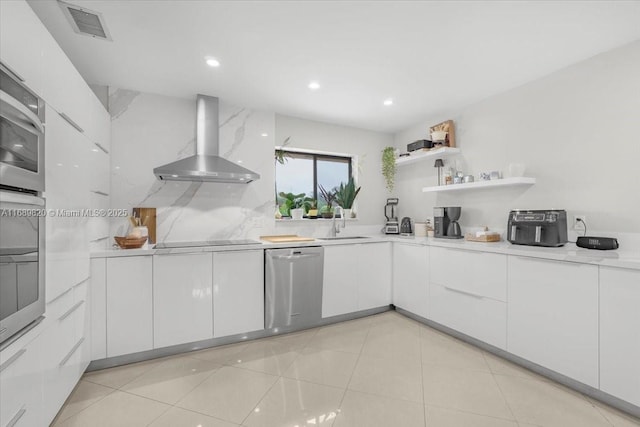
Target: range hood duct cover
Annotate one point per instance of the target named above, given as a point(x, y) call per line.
point(206, 165)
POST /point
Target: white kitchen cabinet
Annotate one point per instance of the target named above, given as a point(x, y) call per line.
point(340, 280)
point(467, 292)
point(61, 359)
point(238, 292)
point(374, 275)
point(99, 177)
point(21, 386)
point(620, 333)
point(480, 273)
point(553, 316)
point(356, 277)
point(411, 277)
point(67, 172)
point(129, 305)
point(98, 283)
point(475, 315)
point(21, 43)
point(182, 298)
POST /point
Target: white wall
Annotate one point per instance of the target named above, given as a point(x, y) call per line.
point(151, 130)
point(578, 133)
point(366, 145)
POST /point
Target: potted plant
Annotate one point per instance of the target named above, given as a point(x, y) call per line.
point(329, 197)
point(389, 167)
point(313, 209)
point(294, 205)
point(345, 196)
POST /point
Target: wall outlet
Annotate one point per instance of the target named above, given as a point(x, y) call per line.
point(579, 222)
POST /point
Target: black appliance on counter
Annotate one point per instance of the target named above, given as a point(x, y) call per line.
point(445, 221)
point(537, 227)
point(406, 229)
point(391, 226)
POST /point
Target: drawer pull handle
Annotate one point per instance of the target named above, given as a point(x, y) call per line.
point(99, 239)
point(13, 72)
point(73, 350)
point(464, 292)
point(102, 193)
point(101, 147)
point(12, 359)
point(71, 310)
point(17, 417)
point(61, 295)
point(71, 122)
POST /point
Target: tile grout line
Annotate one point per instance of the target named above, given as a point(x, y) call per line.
point(279, 377)
point(424, 404)
point(56, 420)
point(504, 397)
point(355, 366)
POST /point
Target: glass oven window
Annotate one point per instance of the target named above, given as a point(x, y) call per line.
point(18, 146)
point(18, 263)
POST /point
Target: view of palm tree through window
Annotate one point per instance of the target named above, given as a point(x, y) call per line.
point(302, 173)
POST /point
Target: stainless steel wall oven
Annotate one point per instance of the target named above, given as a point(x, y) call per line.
point(22, 207)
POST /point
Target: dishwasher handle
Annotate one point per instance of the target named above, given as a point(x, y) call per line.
point(295, 256)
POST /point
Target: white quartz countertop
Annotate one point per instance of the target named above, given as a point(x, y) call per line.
point(569, 253)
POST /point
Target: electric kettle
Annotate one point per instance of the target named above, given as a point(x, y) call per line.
point(405, 226)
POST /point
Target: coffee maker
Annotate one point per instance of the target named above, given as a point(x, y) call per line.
point(446, 222)
point(391, 226)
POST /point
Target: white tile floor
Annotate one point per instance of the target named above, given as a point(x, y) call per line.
point(384, 370)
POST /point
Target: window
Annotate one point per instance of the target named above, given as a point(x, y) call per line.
point(302, 172)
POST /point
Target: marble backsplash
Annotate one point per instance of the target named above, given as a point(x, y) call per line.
point(151, 130)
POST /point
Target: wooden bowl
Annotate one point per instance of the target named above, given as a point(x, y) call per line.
point(130, 242)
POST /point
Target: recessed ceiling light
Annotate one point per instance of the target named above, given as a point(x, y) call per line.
point(314, 85)
point(212, 62)
point(388, 102)
point(264, 134)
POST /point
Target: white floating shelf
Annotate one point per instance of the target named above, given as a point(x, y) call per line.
point(416, 156)
point(505, 182)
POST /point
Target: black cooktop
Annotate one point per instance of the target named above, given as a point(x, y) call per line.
point(170, 245)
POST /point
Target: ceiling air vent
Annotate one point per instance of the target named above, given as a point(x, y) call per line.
point(85, 21)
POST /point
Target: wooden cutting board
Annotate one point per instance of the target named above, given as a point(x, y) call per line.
point(282, 238)
point(147, 217)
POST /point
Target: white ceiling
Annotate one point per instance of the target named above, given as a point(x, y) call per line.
point(432, 57)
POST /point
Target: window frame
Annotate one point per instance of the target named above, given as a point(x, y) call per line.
point(317, 155)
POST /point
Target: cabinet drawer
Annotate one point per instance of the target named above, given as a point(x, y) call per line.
point(479, 273)
point(59, 306)
point(477, 316)
point(553, 316)
point(60, 364)
point(21, 387)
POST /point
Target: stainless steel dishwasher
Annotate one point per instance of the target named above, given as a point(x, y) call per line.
point(293, 287)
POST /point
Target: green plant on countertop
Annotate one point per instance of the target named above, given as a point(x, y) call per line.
point(329, 196)
point(389, 167)
point(346, 194)
point(293, 201)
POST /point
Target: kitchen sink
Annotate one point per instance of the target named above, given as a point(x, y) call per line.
point(343, 237)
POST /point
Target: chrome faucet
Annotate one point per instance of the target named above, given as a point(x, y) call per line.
point(335, 226)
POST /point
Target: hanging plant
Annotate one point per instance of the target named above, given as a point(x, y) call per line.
point(389, 167)
point(281, 155)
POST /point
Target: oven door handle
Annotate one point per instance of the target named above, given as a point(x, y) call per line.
point(17, 111)
point(10, 197)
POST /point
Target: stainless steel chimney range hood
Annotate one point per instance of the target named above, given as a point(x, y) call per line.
point(206, 165)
